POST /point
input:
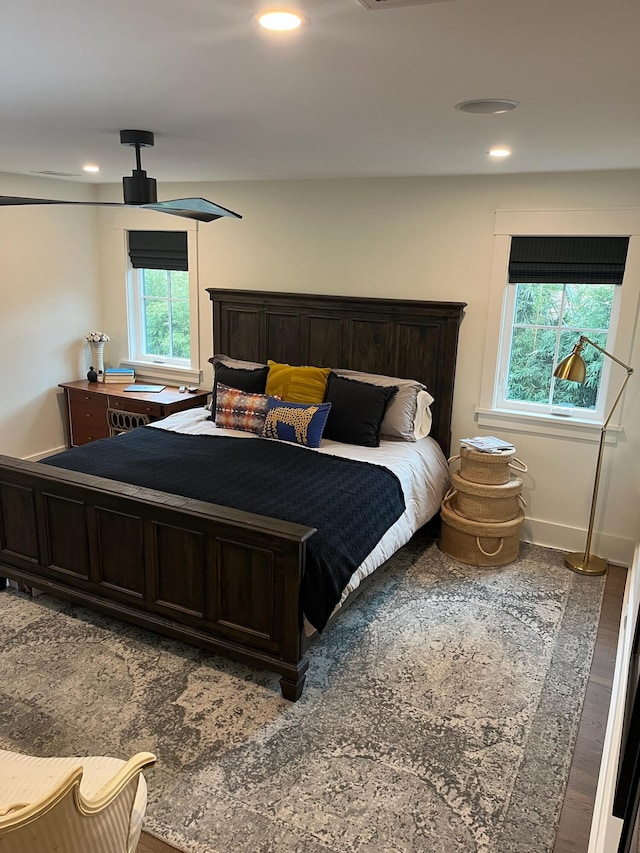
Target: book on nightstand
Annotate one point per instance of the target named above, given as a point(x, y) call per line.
point(118, 374)
point(487, 444)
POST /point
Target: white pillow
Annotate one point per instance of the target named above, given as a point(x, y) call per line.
point(423, 419)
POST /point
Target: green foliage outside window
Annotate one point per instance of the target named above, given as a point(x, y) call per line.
point(548, 320)
point(166, 313)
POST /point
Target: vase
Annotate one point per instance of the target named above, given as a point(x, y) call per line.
point(97, 355)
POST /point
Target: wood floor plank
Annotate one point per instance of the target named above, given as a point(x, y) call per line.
point(577, 810)
point(150, 844)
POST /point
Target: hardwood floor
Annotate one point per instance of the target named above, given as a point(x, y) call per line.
point(575, 819)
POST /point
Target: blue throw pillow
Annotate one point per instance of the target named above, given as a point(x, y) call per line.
point(302, 423)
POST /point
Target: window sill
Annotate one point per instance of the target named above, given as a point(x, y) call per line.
point(168, 373)
point(557, 426)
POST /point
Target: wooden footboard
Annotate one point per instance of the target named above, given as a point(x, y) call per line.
point(219, 578)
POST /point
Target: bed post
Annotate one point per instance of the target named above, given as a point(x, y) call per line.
point(292, 687)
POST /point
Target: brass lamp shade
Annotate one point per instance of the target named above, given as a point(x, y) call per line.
point(572, 367)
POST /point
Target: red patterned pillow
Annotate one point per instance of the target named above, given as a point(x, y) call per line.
point(240, 410)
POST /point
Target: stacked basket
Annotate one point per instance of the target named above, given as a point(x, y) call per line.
point(482, 513)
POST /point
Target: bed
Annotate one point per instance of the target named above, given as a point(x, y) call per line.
point(115, 546)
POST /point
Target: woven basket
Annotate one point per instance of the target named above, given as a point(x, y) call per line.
point(490, 468)
point(481, 502)
point(479, 543)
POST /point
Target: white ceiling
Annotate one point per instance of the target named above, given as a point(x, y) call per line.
point(355, 93)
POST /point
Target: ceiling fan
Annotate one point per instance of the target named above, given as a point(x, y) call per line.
point(140, 191)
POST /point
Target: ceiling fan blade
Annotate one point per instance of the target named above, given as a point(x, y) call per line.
point(192, 208)
point(189, 208)
point(14, 199)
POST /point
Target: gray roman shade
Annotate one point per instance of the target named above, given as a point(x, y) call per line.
point(567, 260)
point(158, 250)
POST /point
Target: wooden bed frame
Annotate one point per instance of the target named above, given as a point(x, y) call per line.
point(225, 580)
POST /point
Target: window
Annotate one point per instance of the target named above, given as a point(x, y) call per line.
point(163, 331)
point(162, 300)
point(560, 288)
point(542, 324)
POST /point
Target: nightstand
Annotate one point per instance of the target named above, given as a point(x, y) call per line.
point(98, 410)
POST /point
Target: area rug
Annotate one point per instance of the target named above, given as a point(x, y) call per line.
point(439, 714)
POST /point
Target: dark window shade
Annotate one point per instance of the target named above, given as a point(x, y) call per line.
point(567, 260)
point(158, 250)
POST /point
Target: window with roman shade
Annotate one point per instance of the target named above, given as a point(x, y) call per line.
point(161, 319)
point(559, 288)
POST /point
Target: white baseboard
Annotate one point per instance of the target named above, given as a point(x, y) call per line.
point(605, 828)
point(616, 549)
point(36, 457)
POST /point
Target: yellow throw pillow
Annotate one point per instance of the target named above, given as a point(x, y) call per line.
point(297, 384)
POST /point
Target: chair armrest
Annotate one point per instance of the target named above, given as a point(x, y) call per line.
point(113, 787)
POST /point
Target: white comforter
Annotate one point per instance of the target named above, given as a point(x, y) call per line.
point(420, 466)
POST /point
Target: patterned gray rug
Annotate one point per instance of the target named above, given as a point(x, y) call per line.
point(439, 714)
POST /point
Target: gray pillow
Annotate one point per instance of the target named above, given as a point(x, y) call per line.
point(234, 362)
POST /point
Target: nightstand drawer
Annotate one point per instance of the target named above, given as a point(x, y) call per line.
point(85, 434)
point(88, 423)
point(140, 407)
point(93, 398)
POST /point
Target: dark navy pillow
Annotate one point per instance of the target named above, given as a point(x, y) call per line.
point(250, 380)
point(302, 423)
point(357, 410)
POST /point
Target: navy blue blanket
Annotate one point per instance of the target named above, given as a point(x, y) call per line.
point(352, 504)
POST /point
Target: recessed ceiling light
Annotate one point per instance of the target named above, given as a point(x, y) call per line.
point(90, 167)
point(281, 21)
point(488, 106)
point(499, 152)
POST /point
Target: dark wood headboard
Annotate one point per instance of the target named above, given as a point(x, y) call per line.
point(397, 337)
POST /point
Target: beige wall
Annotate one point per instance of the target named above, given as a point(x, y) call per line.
point(427, 238)
point(49, 298)
point(424, 238)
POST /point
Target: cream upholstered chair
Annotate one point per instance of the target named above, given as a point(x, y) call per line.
point(71, 805)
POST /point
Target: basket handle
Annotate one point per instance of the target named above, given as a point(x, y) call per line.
point(520, 462)
point(453, 458)
point(486, 553)
point(450, 494)
point(522, 500)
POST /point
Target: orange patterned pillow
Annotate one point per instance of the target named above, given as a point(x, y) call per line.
point(235, 409)
point(297, 384)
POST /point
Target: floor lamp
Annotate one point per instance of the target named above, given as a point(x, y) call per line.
point(574, 369)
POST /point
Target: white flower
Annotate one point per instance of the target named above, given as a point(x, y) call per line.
point(96, 337)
